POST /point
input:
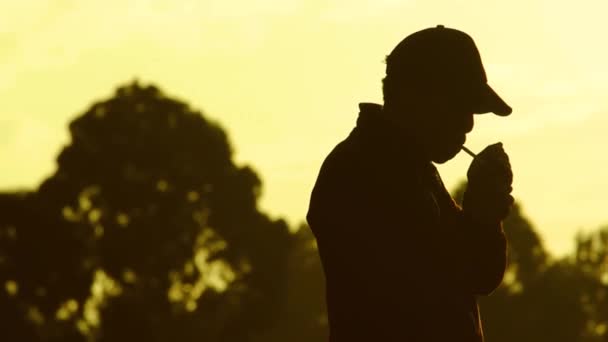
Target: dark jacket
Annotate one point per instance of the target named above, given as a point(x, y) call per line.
point(402, 261)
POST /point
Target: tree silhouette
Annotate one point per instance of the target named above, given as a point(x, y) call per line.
point(303, 314)
point(591, 259)
point(149, 231)
point(146, 231)
point(542, 299)
point(44, 266)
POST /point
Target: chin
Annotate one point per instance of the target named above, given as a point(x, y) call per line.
point(441, 157)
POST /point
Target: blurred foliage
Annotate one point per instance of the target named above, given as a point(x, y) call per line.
point(146, 231)
point(303, 315)
point(547, 299)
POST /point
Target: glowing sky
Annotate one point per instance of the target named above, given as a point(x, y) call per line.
point(284, 78)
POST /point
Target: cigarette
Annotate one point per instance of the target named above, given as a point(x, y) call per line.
point(469, 152)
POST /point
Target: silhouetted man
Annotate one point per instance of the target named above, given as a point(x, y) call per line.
point(402, 261)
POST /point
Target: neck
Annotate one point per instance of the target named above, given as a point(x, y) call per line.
point(405, 130)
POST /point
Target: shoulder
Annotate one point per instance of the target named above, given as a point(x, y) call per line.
point(339, 167)
point(336, 182)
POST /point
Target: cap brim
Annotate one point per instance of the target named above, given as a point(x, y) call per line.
point(490, 102)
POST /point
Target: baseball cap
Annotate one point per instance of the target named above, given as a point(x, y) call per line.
point(447, 59)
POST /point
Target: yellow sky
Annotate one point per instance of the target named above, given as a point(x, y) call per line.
point(284, 78)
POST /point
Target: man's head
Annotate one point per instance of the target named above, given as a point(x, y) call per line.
point(434, 83)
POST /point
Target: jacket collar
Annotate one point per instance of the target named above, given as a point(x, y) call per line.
point(373, 125)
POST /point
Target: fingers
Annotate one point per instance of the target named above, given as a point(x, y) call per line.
point(505, 206)
point(490, 185)
point(488, 208)
point(491, 168)
point(494, 156)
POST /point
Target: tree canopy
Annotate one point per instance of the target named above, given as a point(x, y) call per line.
point(147, 230)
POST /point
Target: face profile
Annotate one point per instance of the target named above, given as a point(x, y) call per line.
point(435, 82)
point(441, 125)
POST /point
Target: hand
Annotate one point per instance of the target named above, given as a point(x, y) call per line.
point(487, 198)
